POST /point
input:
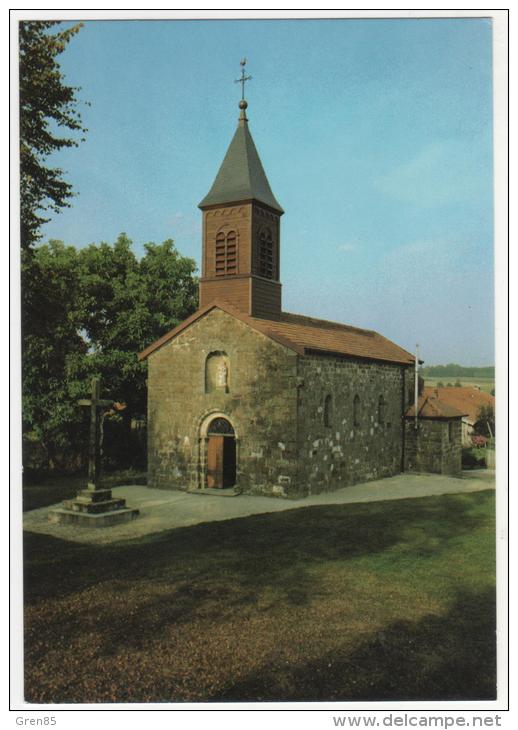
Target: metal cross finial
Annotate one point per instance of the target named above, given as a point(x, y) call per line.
point(243, 79)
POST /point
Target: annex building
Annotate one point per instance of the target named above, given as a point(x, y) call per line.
point(247, 397)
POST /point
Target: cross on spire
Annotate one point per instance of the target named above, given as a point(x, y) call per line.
point(243, 79)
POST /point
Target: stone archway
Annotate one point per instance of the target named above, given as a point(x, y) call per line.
point(218, 452)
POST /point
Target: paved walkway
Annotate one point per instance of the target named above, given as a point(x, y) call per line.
point(165, 510)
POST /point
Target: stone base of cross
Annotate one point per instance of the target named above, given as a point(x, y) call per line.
point(94, 506)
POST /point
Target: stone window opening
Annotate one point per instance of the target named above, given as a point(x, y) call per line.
point(451, 432)
point(217, 372)
point(266, 262)
point(226, 253)
point(328, 411)
point(356, 411)
point(381, 411)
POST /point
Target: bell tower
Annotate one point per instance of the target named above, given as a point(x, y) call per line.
point(241, 230)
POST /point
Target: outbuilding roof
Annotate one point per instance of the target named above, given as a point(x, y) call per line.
point(468, 399)
point(428, 406)
point(305, 335)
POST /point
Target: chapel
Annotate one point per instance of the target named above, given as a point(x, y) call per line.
point(247, 398)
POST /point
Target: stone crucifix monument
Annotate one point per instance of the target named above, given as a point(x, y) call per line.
point(94, 506)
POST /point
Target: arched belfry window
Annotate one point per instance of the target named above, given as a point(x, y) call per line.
point(266, 254)
point(328, 411)
point(217, 372)
point(381, 411)
point(226, 253)
point(356, 411)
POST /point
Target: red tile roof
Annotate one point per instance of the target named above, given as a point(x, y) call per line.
point(319, 335)
point(305, 334)
point(428, 406)
point(467, 399)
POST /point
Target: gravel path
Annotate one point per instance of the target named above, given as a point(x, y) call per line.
point(165, 510)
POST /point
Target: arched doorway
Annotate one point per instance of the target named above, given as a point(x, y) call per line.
point(221, 454)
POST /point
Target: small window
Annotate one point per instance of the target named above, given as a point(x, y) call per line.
point(451, 432)
point(381, 411)
point(356, 411)
point(328, 411)
point(266, 262)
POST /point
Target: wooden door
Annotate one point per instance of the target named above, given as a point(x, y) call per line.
point(215, 462)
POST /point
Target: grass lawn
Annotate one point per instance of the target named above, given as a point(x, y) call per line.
point(387, 600)
point(485, 384)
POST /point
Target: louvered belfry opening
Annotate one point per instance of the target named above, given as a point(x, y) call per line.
point(226, 254)
point(266, 254)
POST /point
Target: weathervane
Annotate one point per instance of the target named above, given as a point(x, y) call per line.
point(243, 79)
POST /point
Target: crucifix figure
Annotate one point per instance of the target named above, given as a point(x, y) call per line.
point(94, 442)
point(243, 79)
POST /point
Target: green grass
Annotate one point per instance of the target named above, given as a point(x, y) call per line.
point(380, 601)
point(485, 384)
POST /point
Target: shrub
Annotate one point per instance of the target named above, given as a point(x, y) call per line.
point(473, 458)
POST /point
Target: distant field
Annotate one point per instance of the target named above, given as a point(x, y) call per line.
point(485, 384)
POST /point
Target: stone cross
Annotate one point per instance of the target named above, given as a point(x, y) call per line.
point(94, 443)
point(243, 78)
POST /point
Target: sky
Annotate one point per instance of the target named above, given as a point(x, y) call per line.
point(375, 135)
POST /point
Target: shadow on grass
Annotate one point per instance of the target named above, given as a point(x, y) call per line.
point(128, 594)
point(448, 657)
point(261, 550)
point(48, 489)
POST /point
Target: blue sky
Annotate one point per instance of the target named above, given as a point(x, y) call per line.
point(376, 136)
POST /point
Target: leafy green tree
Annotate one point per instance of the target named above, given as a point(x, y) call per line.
point(54, 352)
point(94, 309)
point(485, 423)
point(47, 104)
point(124, 304)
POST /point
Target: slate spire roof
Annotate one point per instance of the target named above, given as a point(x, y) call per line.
point(241, 175)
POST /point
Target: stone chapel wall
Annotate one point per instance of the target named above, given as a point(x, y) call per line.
point(260, 401)
point(340, 453)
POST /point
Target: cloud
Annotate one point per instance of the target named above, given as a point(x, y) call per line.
point(348, 246)
point(439, 174)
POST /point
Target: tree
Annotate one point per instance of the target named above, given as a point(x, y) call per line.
point(46, 104)
point(96, 309)
point(53, 352)
point(485, 423)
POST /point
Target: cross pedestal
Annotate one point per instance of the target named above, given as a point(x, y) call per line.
point(94, 506)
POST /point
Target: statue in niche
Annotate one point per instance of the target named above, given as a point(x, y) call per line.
point(217, 372)
point(222, 375)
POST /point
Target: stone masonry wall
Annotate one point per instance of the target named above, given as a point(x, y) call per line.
point(436, 446)
point(341, 453)
point(261, 405)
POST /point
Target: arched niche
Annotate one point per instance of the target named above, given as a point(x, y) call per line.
point(217, 372)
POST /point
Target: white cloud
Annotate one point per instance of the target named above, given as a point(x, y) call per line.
point(348, 246)
point(441, 173)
